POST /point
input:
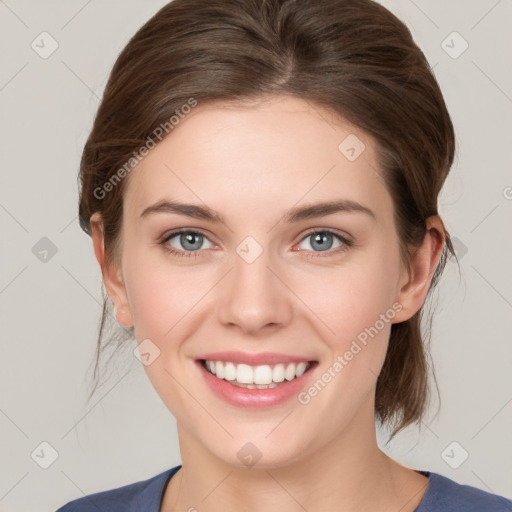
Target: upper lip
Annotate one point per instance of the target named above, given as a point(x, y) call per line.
point(263, 358)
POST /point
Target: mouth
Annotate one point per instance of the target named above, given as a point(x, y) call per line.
point(257, 377)
point(255, 380)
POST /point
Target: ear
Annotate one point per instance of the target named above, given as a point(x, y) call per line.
point(112, 275)
point(415, 282)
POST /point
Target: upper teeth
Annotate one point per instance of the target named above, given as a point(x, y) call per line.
point(264, 374)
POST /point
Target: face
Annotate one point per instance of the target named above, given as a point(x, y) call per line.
point(256, 278)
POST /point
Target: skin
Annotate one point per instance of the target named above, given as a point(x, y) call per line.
point(252, 163)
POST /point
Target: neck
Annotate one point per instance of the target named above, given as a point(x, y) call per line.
point(348, 473)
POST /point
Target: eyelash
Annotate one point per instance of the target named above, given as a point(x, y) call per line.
point(193, 254)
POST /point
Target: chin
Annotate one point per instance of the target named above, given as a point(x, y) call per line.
point(259, 452)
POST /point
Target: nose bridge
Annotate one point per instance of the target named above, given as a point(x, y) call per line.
point(253, 297)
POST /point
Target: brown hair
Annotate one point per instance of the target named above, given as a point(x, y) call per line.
point(353, 57)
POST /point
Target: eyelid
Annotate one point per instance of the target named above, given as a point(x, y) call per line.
point(173, 232)
point(343, 237)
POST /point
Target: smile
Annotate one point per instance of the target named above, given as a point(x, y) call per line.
point(256, 377)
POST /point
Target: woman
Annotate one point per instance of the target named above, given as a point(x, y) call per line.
point(261, 187)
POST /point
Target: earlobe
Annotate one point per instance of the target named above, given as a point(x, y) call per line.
point(112, 275)
point(424, 260)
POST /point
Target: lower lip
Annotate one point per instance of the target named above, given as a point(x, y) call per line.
point(245, 397)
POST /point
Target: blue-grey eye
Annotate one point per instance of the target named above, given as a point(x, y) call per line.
point(323, 241)
point(188, 240)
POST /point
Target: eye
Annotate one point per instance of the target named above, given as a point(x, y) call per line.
point(187, 243)
point(327, 241)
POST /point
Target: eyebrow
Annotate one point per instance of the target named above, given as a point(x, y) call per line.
point(296, 214)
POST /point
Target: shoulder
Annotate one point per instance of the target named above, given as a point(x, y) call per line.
point(143, 495)
point(446, 495)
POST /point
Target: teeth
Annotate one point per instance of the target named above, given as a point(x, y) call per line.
point(289, 373)
point(262, 375)
point(244, 374)
point(278, 373)
point(219, 370)
point(230, 371)
point(256, 377)
point(301, 368)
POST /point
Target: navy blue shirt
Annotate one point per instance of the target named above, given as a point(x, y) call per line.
point(442, 495)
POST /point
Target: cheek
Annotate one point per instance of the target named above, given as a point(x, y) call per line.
point(351, 299)
point(358, 309)
point(160, 294)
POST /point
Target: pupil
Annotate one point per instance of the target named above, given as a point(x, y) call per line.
point(188, 238)
point(320, 239)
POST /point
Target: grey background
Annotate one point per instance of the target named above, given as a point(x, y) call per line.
point(50, 309)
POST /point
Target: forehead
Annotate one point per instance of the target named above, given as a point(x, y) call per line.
point(262, 155)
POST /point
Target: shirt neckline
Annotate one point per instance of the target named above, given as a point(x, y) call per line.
point(424, 500)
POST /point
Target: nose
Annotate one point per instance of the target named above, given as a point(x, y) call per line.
point(254, 296)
